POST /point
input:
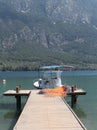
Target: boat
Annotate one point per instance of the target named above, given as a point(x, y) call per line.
point(50, 76)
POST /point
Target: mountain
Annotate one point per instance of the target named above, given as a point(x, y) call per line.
point(41, 32)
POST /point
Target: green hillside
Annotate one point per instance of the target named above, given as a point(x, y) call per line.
point(29, 40)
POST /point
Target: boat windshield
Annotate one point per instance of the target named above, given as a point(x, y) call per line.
point(51, 74)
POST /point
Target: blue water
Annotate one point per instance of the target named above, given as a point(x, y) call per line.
point(86, 107)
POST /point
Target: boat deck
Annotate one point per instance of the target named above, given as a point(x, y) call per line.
point(47, 113)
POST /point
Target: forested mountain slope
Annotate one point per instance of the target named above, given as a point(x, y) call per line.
point(45, 32)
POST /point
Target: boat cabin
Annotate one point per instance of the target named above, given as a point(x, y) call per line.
point(50, 79)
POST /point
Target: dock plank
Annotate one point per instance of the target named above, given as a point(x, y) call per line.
point(14, 93)
point(77, 92)
point(47, 113)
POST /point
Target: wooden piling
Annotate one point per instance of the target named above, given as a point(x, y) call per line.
point(73, 97)
point(18, 98)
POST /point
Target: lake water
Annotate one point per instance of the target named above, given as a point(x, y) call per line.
point(86, 107)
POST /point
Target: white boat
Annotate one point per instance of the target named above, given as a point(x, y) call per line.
point(50, 76)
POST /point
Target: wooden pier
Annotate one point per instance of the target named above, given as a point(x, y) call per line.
point(46, 113)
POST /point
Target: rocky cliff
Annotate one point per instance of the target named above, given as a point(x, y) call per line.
point(68, 26)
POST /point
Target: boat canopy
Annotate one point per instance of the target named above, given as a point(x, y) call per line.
point(56, 67)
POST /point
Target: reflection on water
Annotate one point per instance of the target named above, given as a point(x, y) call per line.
point(79, 111)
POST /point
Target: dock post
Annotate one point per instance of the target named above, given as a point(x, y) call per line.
point(18, 102)
point(73, 96)
point(18, 98)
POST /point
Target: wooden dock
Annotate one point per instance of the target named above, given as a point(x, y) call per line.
point(47, 113)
